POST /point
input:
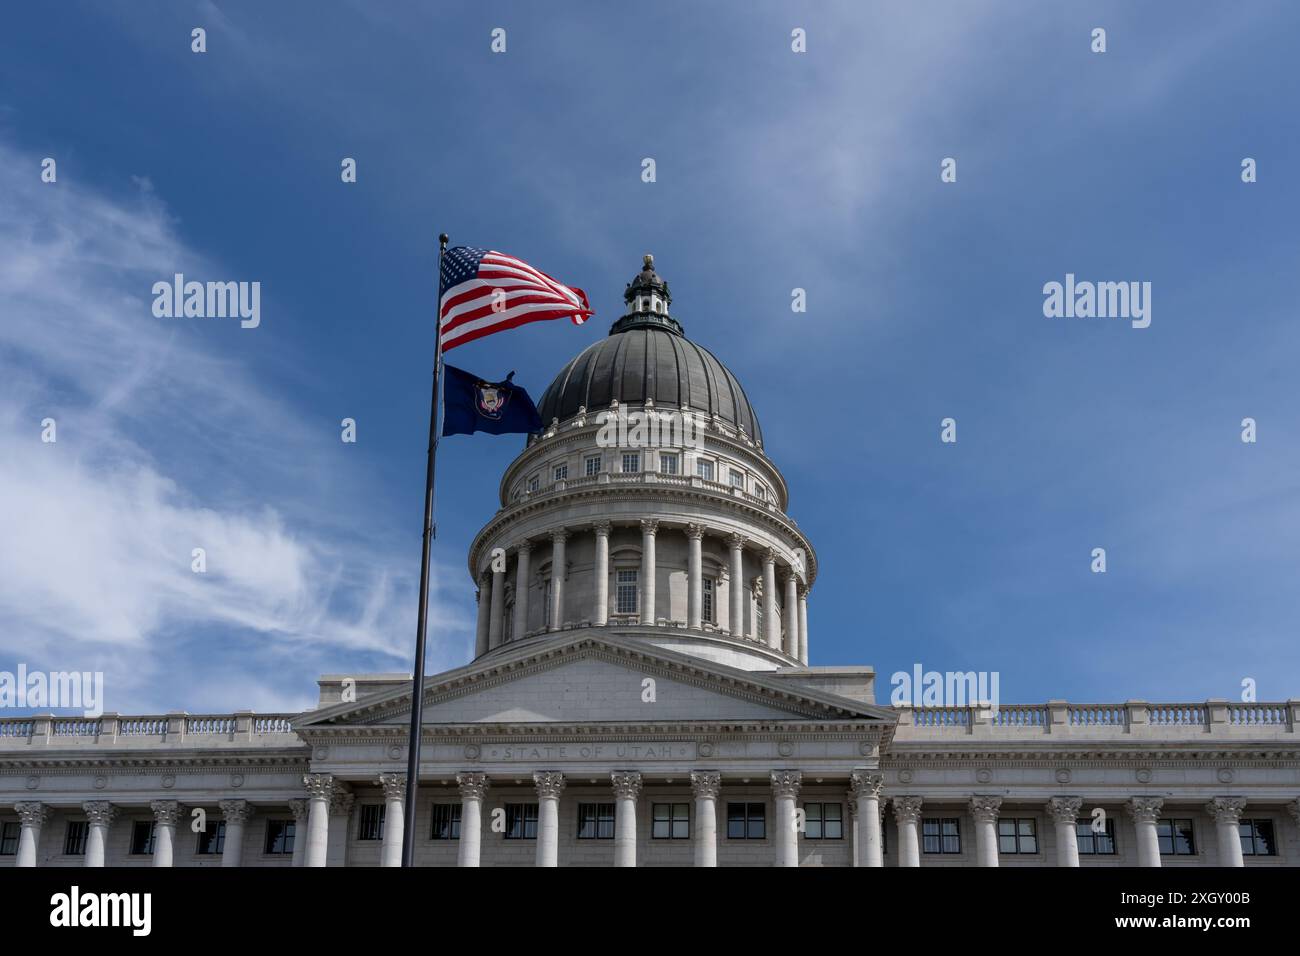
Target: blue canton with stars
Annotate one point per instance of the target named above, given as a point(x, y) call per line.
point(458, 265)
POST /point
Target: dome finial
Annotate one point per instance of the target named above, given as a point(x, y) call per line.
point(649, 261)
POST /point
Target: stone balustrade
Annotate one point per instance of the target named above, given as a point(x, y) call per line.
point(179, 729)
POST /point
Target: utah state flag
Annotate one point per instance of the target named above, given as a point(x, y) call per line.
point(473, 405)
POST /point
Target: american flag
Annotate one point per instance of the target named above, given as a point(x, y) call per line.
point(482, 292)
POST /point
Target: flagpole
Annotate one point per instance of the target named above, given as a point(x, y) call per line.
point(417, 676)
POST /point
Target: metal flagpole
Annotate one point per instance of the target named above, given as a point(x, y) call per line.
point(417, 677)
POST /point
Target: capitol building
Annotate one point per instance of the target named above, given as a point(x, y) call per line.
point(641, 695)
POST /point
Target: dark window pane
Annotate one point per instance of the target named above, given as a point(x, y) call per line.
point(142, 838)
point(735, 821)
point(9, 839)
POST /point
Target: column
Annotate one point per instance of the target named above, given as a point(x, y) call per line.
point(852, 804)
point(1227, 813)
point(771, 625)
point(984, 808)
point(803, 624)
point(522, 561)
point(100, 814)
point(791, 614)
point(865, 786)
point(235, 814)
point(394, 785)
point(1145, 812)
point(1064, 812)
point(300, 810)
point(736, 620)
point(32, 816)
point(473, 788)
point(695, 576)
point(907, 814)
point(549, 783)
point(600, 614)
point(484, 616)
point(497, 612)
point(706, 785)
point(320, 786)
point(627, 787)
point(648, 528)
point(785, 788)
point(559, 564)
point(340, 816)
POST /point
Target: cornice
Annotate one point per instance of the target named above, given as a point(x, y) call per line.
point(118, 761)
point(612, 732)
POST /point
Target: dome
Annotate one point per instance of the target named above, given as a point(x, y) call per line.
point(648, 356)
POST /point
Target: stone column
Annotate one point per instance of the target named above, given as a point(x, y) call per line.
point(340, 818)
point(907, 814)
point(791, 614)
point(235, 814)
point(473, 788)
point(1064, 812)
point(706, 785)
point(600, 614)
point(300, 810)
point(627, 787)
point(496, 621)
point(100, 814)
point(1227, 813)
point(785, 788)
point(394, 785)
point(522, 561)
point(771, 626)
point(484, 616)
point(803, 624)
point(559, 565)
point(865, 787)
point(736, 619)
point(852, 803)
point(320, 787)
point(32, 816)
point(549, 783)
point(695, 576)
point(1145, 812)
point(984, 808)
point(648, 528)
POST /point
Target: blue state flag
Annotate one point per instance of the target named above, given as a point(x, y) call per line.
point(473, 405)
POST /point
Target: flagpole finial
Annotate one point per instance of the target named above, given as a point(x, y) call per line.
point(443, 239)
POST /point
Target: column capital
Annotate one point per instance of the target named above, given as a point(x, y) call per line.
point(1226, 809)
point(99, 811)
point(627, 784)
point(736, 541)
point(866, 783)
point(524, 547)
point(1145, 809)
point(984, 807)
point(907, 810)
point(559, 535)
point(803, 591)
point(695, 532)
point(649, 525)
point(706, 783)
point(549, 783)
point(473, 786)
point(394, 785)
point(769, 557)
point(235, 811)
point(1293, 808)
point(318, 785)
point(341, 801)
point(300, 809)
point(601, 528)
point(32, 813)
point(791, 576)
point(786, 783)
point(1064, 809)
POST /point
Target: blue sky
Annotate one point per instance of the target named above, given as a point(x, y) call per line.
point(774, 171)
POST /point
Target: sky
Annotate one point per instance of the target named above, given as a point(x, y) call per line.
point(775, 170)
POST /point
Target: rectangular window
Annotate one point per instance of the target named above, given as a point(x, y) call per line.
point(1176, 838)
point(142, 833)
point(760, 490)
point(667, 463)
point(670, 821)
point(823, 821)
point(1092, 842)
point(534, 483)
point(625, 593)
point(737, 478)
point(212, 841)
point(704, 469)
point(560, 472)
point(74, 837)
point(1257, 838)
point(746, 821)
point(9, 839)
point(279, 837)
point(592, 465)
point(521, 821)
point(631, 461)
point(595, 821)
point(706, 606)
point(1019, 835)
point(371, 825)
point(941, 835)
point(446, 821)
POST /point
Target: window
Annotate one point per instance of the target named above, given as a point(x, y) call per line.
point(704, 469)
point(1017, 836)
point(1176, 838)
point(279, 837)
point(371, 825)
point(446, 821)
point(706, 605)
point(592, 465)
point(941, 835)
point(1093, 843)
point(760, 490)
point(534, 482)
point(1257, 838)
point(595, 821)
point(625, 593)
point(74, 837)
point(823, 821)
point(631, 461)
point(560, 472)
point(670, 821)
point(142, 834)
point(668, 463)
point(9, 839)
point(737, 478)
point(521, 821)
point(212, 841)
point(746, 821)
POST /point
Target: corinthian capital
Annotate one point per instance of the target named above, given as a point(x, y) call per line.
point(99, 811)
point(649, 525)
point(627, 784)
point(235, 811)
point(166, 812)
point(1064, 809)
point(300, 810)
point(341, 801)
point(549, 783)
point(736, 542)
point(473, 786)
point(33, 814)
point(984, 807)
point(318, 785)
point(907, 810)
point(786, 783)
point(1226, 809)
point(601, 528)
point(695, 531)
point(866, 783)
point(394, 785)
point(1145, 809)
point(706, 783)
